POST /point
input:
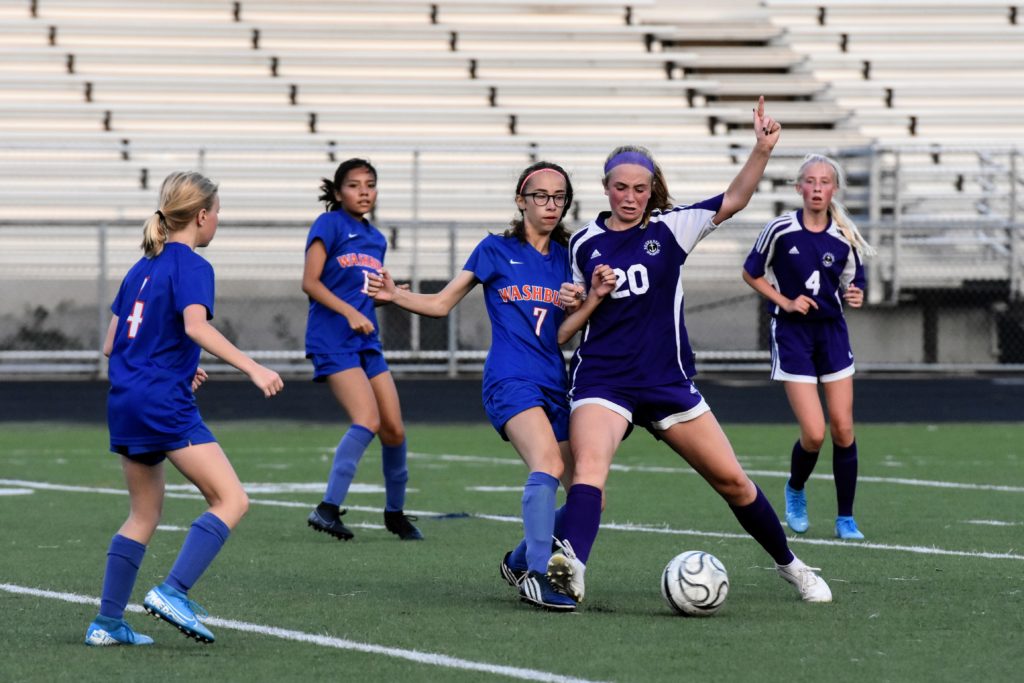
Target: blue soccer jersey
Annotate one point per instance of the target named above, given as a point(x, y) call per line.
point(637, 336)
point(354, 249)
point(796, 261)
point(521, 293)
point(153, 361)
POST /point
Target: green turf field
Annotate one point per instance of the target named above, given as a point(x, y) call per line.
point(935, 593)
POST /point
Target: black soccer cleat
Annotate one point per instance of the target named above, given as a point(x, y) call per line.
point(327, 519)
point(400, 524)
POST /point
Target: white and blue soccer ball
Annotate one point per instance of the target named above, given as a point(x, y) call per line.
point(695, 583)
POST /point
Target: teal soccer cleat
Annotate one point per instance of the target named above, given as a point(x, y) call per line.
point(104, 631)
point(847, 529)
point(176, 609)
point(796, 510)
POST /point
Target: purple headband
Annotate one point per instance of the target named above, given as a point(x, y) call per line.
point(637, 158)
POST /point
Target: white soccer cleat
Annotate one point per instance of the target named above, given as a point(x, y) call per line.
point(565, 571)
point(812, 587)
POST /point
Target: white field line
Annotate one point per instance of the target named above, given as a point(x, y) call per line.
point(636, 528)
point(778, 474)
point(430, 658)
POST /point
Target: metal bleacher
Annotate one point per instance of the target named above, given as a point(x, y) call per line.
point(100, 99)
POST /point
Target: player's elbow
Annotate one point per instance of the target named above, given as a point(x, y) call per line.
point(194, 327)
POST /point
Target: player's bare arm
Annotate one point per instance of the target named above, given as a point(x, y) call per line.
point(199, 330)
point(435, 305)
point(766, 131)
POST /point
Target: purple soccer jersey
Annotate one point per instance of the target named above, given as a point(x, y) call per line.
point(637, 336)
point(795, 261)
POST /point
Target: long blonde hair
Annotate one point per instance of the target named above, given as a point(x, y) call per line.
point(183, 195)
point(839, 213)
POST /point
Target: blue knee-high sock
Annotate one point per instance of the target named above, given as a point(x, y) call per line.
point(346, 458)
point(582, 519)
point(517, 560)
point(539, 519)
point(801, 464)
point(396, 475)
point(124, 557)
point(204, 540)
point(844, 469)
point(760, 521)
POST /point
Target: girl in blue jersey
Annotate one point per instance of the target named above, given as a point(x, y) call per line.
point(160, 322)
point(342, 250)
point(806, 263)
point(524, 274)
point(634, 364)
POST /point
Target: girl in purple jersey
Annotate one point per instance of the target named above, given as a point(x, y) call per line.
point(342, 250)
point(523, 273)
point(160, 322)
point(634, 363)
point(807, 263)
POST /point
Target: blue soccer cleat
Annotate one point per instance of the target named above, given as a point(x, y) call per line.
point(796, 510)
point(537, 590)
point(104, 631)
point(176, 609)
point(512, 576)
point(847, 529)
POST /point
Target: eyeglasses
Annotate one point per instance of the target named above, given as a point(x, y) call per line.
point(542, 198)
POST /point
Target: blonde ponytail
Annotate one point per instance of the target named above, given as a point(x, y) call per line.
point(838, 212)
point(183, 195)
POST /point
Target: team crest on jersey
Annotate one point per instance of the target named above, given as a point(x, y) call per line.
point(652, 247)
point(827, 259)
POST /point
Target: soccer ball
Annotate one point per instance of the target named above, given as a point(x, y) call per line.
point(695, 583)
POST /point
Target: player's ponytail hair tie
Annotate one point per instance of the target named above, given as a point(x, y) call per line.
point(631, 157)
point(161, 216)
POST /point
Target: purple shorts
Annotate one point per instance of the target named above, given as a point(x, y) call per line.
point(370, 360)
point(810, 351)
point(655, 408)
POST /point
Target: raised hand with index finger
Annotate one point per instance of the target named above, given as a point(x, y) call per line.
point(766, 129)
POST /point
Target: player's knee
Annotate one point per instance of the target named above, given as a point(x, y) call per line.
point(736, 490)
point(242, 504)
point(812, 441)
point(391, 435)
point(552, 466)
point(842, 434)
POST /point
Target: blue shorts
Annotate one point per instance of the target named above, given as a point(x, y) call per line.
point(654, 408)
point(154, 453)
point(370, 360)
point(810, 351)
point(512, 396)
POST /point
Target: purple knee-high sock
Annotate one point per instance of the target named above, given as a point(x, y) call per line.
point(801, 464)
point(581, 519)
point(844, 469)
point(760, 521)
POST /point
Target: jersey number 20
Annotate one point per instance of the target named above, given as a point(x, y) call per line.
point(631, 281)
